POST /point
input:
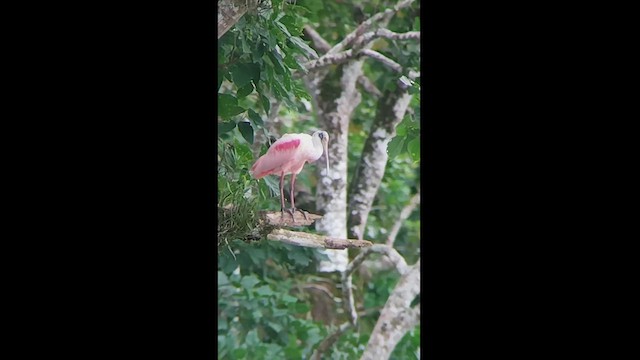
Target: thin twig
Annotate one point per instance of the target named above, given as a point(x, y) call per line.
point(404, 214)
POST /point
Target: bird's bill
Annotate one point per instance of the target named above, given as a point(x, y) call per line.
point(325, 145)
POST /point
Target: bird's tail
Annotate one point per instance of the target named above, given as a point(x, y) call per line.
point(255, 171)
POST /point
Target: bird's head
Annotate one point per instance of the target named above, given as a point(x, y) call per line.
point(323, 136)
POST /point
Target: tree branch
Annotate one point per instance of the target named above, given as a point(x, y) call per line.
point(321, 45)
point(404, 214)
point(347, 291)
point(373, 161)
point(369, 86)
point(388, 34)
point(347, 284)
point(304, 239)
point(366, 25)
point(330, 340)
point(383, 59)
point(396, 318)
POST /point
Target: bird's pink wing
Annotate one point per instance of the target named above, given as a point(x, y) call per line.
point(281, 154)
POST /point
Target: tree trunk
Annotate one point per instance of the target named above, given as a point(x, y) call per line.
point(373, 162)
point(336, 102)
point(396, 318)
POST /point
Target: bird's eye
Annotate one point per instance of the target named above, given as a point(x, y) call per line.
point(321, 136)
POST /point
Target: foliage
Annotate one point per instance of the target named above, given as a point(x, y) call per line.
point(263, 310)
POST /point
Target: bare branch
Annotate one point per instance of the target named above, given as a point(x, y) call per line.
point(315, 241)
point(319, 43)
point(343, 57)
point(404, 214)
point(391, 253)
point(368, 24)
point(383, 59)
point(327, 60)
point(330, 340)
point(369, 86)
point(388, 34)
point(322, 46)
point(347, 286)
point(396, 318)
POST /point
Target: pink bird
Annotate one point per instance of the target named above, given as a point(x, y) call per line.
point(288, 156)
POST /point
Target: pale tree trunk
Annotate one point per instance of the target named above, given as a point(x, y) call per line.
point(396, 318)
point(371, 168)
point(334, 114)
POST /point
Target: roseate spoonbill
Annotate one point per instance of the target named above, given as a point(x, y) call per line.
point(288, 156)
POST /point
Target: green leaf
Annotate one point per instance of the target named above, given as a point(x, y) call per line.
point(228, 106)
point(266, 105)
point(255, 117)
point(289, 299)
point(227, 100)
point(401, 130)
point(298, 257)
point(290, 22)
point(222, 278)
point(301, 308)
point(248, 282)
point(224, 127)
point(395, 146)
point(264, 290)
point(246, 130)
point(259, 49)
point(414, 149)
point(283, 28)
point(293, 63)
point(276, 59)
point(252, 338)
point(220, 78)
point(307, 51)
point(239, 353)
point(245, 90)
point(243, 73)
point(227, 112)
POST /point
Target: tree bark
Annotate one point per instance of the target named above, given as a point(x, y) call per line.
point(229, 12)
point(396, 318)
point(334, 114)
point(373, 162)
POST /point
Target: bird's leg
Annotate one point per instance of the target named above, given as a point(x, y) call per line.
point(293, 204)
point(282, 195)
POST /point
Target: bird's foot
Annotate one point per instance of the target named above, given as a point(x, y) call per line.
point(292, 211)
